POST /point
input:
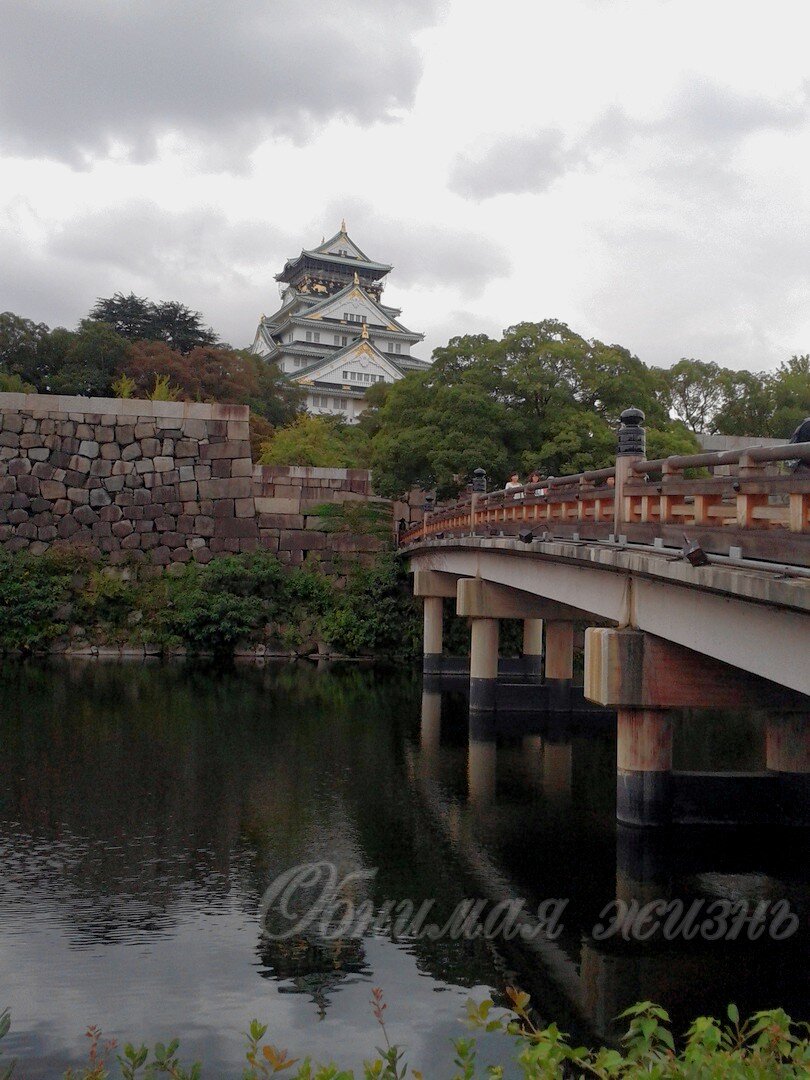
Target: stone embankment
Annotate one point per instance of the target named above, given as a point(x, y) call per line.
point(164, 481)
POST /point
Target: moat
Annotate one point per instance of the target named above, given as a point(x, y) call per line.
point(145, 809)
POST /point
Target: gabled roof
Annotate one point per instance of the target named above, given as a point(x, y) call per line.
point(361, 347)
point(316, 312)
point(340, 243)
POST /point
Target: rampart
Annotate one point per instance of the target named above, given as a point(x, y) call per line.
point(165, 481)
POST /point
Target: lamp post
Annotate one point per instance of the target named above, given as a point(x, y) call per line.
point(632, 446)
point(479, 487)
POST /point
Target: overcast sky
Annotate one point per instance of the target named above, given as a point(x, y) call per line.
point(636, 168)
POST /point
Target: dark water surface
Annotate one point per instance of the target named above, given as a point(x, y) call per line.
point(144, 810)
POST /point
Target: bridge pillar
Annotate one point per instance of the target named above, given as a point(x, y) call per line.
point(787, 742)
point(433, 587)
point(483, 663)
point(644, 767)
point(433, 614)
point(533, 646)
point(559, 650)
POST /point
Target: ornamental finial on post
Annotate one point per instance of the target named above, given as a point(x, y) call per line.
point(632, 438)
point(479, 483)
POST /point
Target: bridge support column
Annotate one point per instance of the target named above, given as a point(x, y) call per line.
point(559, 650)
point(483, 663)
point(533, 646)
point(787, 742)
point(644, 767)
point(432, 649)
point(433, 587)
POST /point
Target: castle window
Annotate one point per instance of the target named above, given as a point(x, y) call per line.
point(309, 335)
point(316, 336)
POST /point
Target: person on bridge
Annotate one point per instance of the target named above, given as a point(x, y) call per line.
point(801, 435)
point(513, 484)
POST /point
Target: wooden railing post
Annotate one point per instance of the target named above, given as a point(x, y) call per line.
point(479, 487)
point(632, 445)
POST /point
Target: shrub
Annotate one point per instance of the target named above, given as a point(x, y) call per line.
point(375, 613)
point(764, 1047)
point(35, 591)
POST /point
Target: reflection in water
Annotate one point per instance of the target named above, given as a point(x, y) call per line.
point(539, 822)
point(145, 809)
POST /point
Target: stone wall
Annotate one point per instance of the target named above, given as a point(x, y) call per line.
point(165, 481)
point(287, 497)
point(171, 481)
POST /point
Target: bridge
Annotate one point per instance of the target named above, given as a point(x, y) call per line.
point(691, 576)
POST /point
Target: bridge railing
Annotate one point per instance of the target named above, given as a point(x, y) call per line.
point(754, 512)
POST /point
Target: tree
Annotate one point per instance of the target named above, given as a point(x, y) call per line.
point(748, 405)
point(138, 319)
point(697, 393)
point(543, 397)
point(791, 396)
point(211, 373)
point(321, 441)
point(20, 341)
point(84, 361)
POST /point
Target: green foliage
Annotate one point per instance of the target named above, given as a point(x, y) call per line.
point(136, 318)
point(13, 384)
point(318, 441)
point(233, 599)
point(358, 516)
point(123, 386)
point(33, 593)
point(542, 397)
point(162, 390)
point(375, 614)
point(764, 1047)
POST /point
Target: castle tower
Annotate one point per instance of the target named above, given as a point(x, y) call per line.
point(332, 333)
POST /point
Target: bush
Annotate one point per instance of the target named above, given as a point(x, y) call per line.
point(376, 613)
point(764, 1047)
point(35, 591)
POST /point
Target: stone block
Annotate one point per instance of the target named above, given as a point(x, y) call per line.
point(277, 506)
point(150, 447)
point(226, 449)
point(124, 434)
point(295, 540)
point(237, 487)
point(221, 467)
point(99, 497)
point(89, 448)
point(101, 468)
point(268, 540)
point(224, 508)
point(204, 526)
point(144, 429)
point(39, 453)
point(241, 467)
point(161, 556)
point(202, 472)
point(245, 508)
point(79, 464)
point(110, 513)
point(114, 483)
point(187, 490)
point(52, 489)
point(239, 527)
point(110, 451)
point(281, 521)
point(165, 523)
point(19, 467)
point(131, 452)
point(104, 434)
point(78, 496)
point(163, 464)
point(85, 515)
point(185, 473)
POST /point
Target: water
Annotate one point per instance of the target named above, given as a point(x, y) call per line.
point(145, 809)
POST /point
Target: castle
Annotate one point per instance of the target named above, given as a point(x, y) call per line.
point(332, 333)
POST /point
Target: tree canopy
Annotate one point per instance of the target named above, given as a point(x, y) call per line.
point(138, 319)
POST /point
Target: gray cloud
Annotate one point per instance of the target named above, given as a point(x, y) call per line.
point(513, 166)
point(695, 137)
point(721, 290)
point(422, 254)
point(224, 269)
point(79, 78)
